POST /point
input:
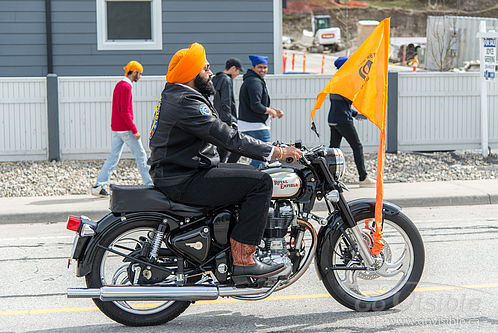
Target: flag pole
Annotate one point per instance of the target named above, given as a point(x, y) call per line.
point(378, 245)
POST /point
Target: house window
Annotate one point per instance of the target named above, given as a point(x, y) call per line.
point(129, 25)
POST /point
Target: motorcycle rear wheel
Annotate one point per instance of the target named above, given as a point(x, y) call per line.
point(110, 269)
point(396, 275)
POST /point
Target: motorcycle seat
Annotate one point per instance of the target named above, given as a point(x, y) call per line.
point(147, 198)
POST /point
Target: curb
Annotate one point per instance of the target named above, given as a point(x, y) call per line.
point(464, 200)
point(97, 214)
point(49, 217)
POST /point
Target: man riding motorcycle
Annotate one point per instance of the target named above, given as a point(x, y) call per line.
point(185, 164)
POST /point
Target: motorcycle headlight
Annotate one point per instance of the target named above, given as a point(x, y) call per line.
point(335, 161)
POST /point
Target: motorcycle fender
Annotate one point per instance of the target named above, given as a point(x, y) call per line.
point(357, 207)
point(84, 264)
point(106, 225)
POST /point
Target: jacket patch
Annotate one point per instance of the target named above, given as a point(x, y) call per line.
point(205, 110)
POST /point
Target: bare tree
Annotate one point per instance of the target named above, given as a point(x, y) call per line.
point(442, 45)
point(347, 35)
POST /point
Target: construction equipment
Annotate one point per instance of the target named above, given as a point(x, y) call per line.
point(323, 37)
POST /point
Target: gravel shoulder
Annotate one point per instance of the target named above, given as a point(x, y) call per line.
point(42, 178)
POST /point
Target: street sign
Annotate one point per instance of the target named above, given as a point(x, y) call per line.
point(487, 42)
point(488, 58)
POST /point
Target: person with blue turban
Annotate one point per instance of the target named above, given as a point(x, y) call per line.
point(341, 116)
point(340, 61)
point(255, 113)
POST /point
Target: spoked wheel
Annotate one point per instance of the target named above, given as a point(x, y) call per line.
point(398, 268)
point(112, 269)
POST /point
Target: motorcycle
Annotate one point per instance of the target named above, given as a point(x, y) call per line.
point(150, 258)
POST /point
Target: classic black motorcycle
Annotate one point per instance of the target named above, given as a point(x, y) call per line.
point(150, 258)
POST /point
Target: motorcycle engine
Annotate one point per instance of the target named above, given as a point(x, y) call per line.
point(273, 247)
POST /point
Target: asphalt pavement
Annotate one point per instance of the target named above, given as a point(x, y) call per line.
point(421, 194)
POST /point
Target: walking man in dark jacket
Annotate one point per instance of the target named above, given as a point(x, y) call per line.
point(224, 100)
point(341, 125)
point(255, 112)
point(185, 162)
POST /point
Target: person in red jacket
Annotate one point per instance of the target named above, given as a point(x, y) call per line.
point(124, 131)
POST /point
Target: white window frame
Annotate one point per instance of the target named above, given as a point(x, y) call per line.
point(156, 28)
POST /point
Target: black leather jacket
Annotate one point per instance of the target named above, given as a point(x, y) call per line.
point(187, 132)
point(224, 101)
point(253, 98)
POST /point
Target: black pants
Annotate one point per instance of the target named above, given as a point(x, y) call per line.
point(226, 185)
point(348, 131)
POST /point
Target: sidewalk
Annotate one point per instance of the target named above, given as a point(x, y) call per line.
point(451, 193)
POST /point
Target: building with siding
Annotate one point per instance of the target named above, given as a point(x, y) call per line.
point(85, 38)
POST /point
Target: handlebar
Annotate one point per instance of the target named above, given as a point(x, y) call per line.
point(314, 154)
point(306, 152)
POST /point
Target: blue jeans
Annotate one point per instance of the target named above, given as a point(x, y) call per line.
point(263, 135)
point(136, 148)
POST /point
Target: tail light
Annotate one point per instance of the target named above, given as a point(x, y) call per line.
point(73, 223)
point(82, 224)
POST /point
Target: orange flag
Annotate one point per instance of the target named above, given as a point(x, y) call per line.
point(363, 80)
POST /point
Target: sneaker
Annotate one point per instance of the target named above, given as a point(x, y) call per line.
point(99, 191)
point(367, 182)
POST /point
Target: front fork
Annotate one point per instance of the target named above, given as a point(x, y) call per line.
point(347, 216)
point(343, 207)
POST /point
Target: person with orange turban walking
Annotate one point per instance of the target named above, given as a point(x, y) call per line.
point(185, 164)
point(124, 131)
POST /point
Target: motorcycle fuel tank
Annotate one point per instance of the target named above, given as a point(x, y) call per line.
point(286, 183)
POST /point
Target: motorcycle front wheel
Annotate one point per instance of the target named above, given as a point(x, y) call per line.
point(112, 269)
point(397, 271)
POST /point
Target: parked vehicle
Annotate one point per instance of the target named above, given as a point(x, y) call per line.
point(150, 258)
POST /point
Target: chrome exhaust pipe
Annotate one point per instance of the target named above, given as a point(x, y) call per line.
point(166, 293)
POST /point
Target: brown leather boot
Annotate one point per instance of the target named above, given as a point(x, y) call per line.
point(245, 265)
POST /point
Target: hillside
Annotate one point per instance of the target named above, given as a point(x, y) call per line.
point(458, 5)
point(408, 18)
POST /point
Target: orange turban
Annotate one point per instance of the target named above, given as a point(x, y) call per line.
point(133, 66)
point(186, 64)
